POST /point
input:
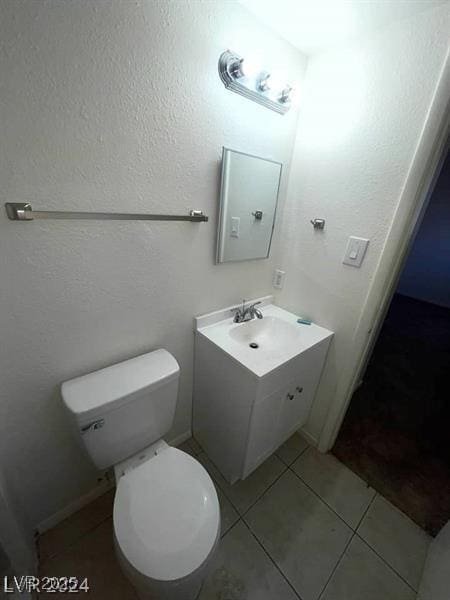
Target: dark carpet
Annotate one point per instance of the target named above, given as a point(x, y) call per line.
point(396, 434)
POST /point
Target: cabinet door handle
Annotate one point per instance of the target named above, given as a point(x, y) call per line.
point(290, 396)
point(299, 389)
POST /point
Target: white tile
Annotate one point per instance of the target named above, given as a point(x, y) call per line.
point(244, 493)
point(301, 534)
point(362, 575)
point(242, 571)
point(292, 449)
point(338, 486)
point(399, 541)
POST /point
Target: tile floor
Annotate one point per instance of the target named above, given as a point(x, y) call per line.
point(301, 526)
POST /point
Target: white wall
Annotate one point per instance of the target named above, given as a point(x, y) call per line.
point(114, 106)
point(362, 112)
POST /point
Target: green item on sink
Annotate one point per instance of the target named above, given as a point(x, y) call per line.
point(304, 321)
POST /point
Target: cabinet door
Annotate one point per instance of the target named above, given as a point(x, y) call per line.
point(263, 431)
point(295, 409)
point(301, 391)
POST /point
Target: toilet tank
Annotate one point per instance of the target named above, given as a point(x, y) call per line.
point(125, 407)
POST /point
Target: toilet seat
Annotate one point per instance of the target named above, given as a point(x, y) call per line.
point(166, 515)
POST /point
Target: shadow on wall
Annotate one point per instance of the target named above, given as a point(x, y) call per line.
point(17, 549)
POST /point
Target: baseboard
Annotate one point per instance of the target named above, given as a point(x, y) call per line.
point(90, 496)
point(309, 438)
point(179, 439)
point(75, 506)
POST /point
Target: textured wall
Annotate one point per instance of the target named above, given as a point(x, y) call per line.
point(114, 106)
point(362, 112)
point(426, 274)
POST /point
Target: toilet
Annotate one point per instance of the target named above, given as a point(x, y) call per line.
point(166, 512)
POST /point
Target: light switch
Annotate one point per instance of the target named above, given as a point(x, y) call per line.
point(235, 223)
point(356, 250)
point(278, 279)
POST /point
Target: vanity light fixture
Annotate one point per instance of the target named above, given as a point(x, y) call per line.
point(239, 75)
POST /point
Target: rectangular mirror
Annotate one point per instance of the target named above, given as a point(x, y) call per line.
point(248, 202)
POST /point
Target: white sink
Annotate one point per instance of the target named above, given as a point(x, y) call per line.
point(277, 335)
point(254, 384)
point(269, 334)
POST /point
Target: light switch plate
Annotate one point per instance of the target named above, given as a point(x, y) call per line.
point(355, 252)
point(235, 224)
point(278, 279)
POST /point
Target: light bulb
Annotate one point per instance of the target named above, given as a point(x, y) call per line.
point(236, 68)
point(294, 96)
point(265, 82)
point(285, 95)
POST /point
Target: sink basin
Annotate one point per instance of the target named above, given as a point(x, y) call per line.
point(269, 334)
point(261, 345)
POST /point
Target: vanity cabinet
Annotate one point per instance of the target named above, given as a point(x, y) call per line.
point(241, 418)
point(276, 417)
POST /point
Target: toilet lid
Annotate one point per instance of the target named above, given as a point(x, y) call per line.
point(166, 515)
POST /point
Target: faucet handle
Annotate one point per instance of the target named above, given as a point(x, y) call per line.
point(238, 307)
point(255, 304)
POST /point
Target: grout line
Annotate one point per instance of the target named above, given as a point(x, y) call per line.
point(286, 467)
point(241, 514)
point(322, 499)
point(373, 549)
point(366, 511)
point(295, 459)
point(348, 544)
point(229, 529)
point(386, 563)
point(336, 565)
point(222, 535)
point(272, 560)
point(265, 491)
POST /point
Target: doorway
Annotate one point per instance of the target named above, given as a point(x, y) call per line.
point(395, 432)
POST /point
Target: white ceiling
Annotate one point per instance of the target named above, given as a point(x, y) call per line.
point(315, 25)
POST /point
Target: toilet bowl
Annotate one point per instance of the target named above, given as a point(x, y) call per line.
point(166, 511)
point(166, 522)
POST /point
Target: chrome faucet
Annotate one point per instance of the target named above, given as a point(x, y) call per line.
point(246, 313)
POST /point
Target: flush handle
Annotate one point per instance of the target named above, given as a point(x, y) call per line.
point(92, 426)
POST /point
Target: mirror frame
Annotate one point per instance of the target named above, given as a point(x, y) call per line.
point(221, 215)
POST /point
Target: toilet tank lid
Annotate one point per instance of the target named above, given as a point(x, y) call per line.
point(109, 388)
